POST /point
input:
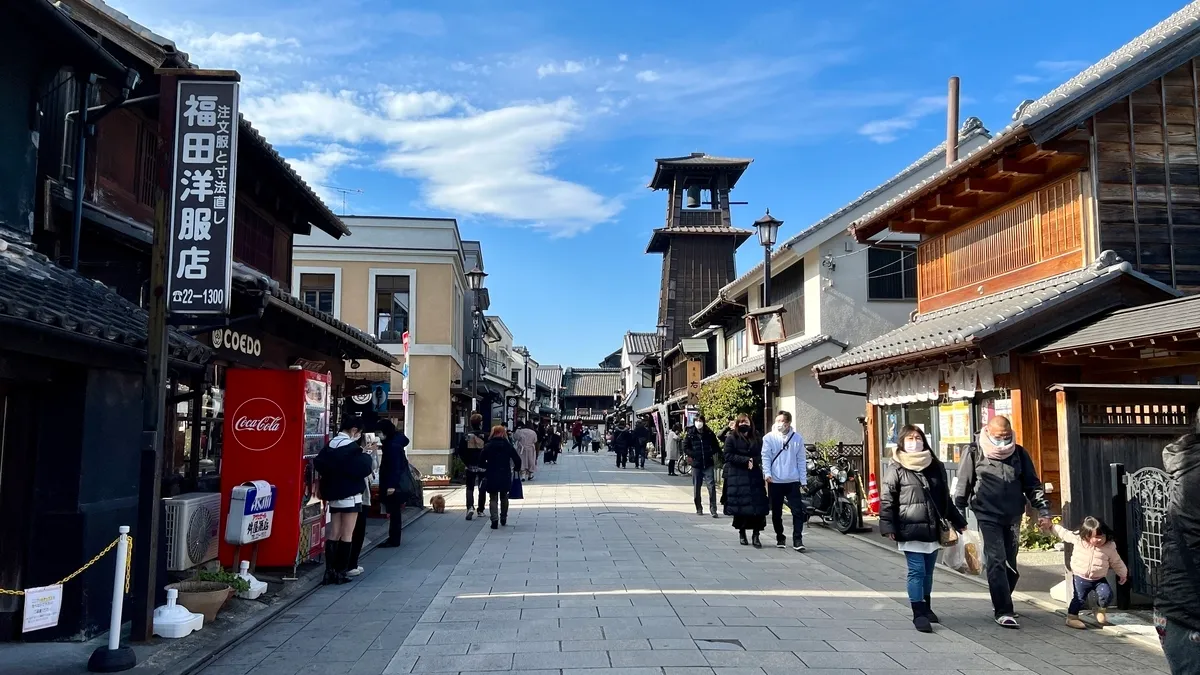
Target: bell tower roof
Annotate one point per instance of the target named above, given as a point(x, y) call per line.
point(696, 165)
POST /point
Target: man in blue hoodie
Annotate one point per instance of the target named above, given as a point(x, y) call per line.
point(784, 464)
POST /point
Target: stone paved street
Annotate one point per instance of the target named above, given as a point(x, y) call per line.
point(607, 569)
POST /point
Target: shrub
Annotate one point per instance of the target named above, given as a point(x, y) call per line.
point(221, 576)
point(1032, 538)
point(725, 399)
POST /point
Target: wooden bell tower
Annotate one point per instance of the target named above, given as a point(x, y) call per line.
point(699, 241)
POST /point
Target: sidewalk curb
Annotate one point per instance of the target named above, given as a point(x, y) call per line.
point(306, 586)
point(1053, 608)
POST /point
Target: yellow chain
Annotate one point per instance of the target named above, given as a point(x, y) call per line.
point(93, 561)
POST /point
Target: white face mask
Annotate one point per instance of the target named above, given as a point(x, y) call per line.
point(699, 424)
point(912, 445)
point(781, 427)
point(1001, 443)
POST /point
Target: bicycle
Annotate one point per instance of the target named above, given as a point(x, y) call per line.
point(683, 465)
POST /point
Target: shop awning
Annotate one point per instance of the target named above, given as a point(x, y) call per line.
point(1162, 325)
point(999, 323)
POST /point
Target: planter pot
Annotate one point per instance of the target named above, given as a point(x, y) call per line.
point(435, 482)
point(203, 597)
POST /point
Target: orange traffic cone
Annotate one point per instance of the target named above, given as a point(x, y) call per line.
point(873, 496)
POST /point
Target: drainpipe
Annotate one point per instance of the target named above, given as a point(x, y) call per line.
point(81, 134)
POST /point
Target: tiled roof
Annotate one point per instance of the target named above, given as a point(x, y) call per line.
point(972, 128)
point(701, 159)
point(551, 376)
point(754, 364)
point(247, 278)
point(666, 167)
point(1136, 323)
point(963, 325)
point(1181, 24)
point(591, 381)
point(641, 343)
point(41, 295)
point(660, 236)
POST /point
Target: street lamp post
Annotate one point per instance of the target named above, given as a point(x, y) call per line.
point(475, 283)
point(768, 230)
point(662, 366)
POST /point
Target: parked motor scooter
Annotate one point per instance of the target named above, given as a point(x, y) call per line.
point(827, 496)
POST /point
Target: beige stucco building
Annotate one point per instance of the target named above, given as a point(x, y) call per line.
point(395, 275)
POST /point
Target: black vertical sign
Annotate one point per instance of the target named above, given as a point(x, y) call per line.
point(202, 197)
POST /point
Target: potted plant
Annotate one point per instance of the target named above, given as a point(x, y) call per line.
point(208, 591)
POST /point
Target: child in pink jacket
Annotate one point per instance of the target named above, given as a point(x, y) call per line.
point(1094, 554)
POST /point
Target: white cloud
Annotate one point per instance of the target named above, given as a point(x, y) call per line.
point(235, 50)
point(564, 68)
point(622, 57)
point(889, 129)
point(418, 104)
point(491, 163)
point(317, 168)
point(1062, 67)
point(1026, 79)
point(648, 76)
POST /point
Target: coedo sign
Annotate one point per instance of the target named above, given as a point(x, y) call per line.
point(243, 343)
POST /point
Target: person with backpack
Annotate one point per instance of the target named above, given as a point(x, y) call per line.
point(469, 449)
point(995, 480)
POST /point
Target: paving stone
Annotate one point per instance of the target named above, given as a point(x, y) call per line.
point(552, 660)
point(445, 663)
point(659, 658)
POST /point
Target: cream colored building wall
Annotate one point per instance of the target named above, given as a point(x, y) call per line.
point(433, 299)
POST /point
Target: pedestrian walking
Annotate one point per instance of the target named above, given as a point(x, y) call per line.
point(673, 442)
point(526, 440)
point(1093, 554)
point(552, 444)
point(394, 474)
point(745, 493)
point(1177, 600)
point(501, 462)
point(784, 463)
point(914, 505)
point(341, 466)
point(995, 480)
point(577, 434)
point(700, 444)
point(622, 443)
point(586, 440)
point(470, 446)
point(641, 438)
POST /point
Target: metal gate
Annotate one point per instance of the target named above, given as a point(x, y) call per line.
point(1149, 491)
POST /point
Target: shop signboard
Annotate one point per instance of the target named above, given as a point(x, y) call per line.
point(251, 512)
point(693, 381)
point(202, 197)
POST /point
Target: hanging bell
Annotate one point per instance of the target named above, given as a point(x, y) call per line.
point(693, 197)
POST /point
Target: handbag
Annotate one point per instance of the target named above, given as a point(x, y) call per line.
point(406, 488)
point(515, 491)
point(947, 535)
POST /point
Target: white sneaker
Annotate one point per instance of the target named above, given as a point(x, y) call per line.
point(354, 572)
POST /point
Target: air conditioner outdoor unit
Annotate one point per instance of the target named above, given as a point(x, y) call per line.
point(193, 525)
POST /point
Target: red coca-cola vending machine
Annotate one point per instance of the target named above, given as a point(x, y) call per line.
point(276, 421)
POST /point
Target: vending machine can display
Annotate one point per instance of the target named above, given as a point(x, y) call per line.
point(276, 421)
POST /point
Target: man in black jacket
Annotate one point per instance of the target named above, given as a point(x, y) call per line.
point(622, 443)
point(641, 436)
point(995, 479)
point(469, 449)
point(701, 447)
point(393, 471)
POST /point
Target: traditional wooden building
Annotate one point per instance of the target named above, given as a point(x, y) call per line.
point(589, 394)
point(1086, 204)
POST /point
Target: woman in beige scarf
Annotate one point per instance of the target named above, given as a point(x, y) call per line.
point(914, 500)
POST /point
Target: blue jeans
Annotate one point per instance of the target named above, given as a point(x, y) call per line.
point(1180, 644)
point(920, 575)
point(1104, 593)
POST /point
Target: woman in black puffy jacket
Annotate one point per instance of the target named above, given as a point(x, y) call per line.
point(342, 466)
point(914, 498)
point(1177, 600)
point(745, 488)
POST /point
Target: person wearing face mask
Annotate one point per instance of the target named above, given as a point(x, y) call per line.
point(701, 446)
point(745, 494)
point(622, 443)
point(342, 466)
point(913, 500)
point(785, 466)
point(995, 479)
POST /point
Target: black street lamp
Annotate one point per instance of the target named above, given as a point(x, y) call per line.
point(768, 231)
point(475, 283)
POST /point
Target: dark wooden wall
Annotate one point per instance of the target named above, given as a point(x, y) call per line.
point(694, 270)
point(1148, 178)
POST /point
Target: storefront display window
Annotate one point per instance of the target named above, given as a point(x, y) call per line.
point(954, 418)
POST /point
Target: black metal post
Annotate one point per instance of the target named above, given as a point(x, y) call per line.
point(1120, 525)
point(768, 350)
point(476, 320)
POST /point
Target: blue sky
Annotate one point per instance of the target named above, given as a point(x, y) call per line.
point(536, 124)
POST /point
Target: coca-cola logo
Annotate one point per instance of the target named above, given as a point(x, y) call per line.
point(258, 424)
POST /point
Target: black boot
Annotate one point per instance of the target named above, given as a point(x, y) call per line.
point(330, 568)
point(933, 618)
point(341, 562)
point(920, 621)
point(742, 538)
point(756, 541)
